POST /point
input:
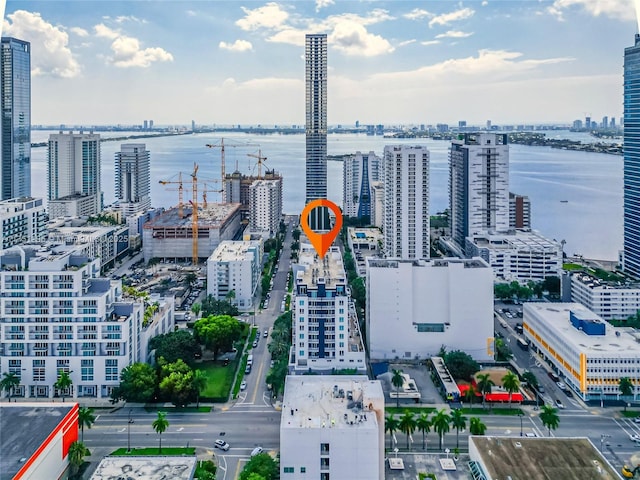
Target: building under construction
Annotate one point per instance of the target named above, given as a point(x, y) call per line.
point(237, 189)
point(170, 235)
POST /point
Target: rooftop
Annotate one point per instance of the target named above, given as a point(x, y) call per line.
point(434, 262)
point(314, 269)
point(522, 458)
point(229, 251)
point(17, 444)
point(516, 240)
point(596, 283)
point(365, 234)
point(214, 216)
point(146, 468)
point(330, 401)
point(556, 319)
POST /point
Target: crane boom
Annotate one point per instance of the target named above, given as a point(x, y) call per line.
point(260, 161)
point(194, 216)
point(180, 188)
point(221, 146)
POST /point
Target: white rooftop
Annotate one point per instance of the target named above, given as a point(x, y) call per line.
point(233, 251)
point(517, 240)
point(145, 468)
point(330, 268)
point(330, 401)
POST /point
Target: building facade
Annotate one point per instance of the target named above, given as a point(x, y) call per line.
point(608, 300)
point(377, 204)
point(631, 243)
point(360, 171)
point(133, 178)
point(265, 205)
point(414, 307)
point(74, 167)
point(332, 428)
point(587, 352)
point(76, 205)
point(24, 220)
point(478, 185)
point(325, 323)
point(406, 201)
point(519, 212)
point(235, 267)
point(15, 133)
point(316, 115)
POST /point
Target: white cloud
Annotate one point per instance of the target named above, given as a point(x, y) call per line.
point(417, 14)
point(103, 31)
point(50, 53)
point(270, 16)
point(323, 3)
point(447, 18)
point(616, 9)
point(484, 3)
point(127, 51)
point(353, 39)
point(407, 42)
point(129, 18)
point(191, 13)
point(430, 42)
point(454, 34)
point(237, 46)
point(81, 32)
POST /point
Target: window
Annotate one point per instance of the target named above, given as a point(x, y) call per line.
point(87, 370)
point(111, 370)
point(303, 469)
point(289, 470)
point(430, 327)
point(324, 449)
point(302, 336)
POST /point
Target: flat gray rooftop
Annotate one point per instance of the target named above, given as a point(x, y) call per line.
point(146, 468)
point(23, 428)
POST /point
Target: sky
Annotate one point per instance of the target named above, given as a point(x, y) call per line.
point(390, 62)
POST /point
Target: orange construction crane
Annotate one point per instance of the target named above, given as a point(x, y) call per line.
point(194, 215)
point(180, 190)
point(261, 160)
point(221, 145)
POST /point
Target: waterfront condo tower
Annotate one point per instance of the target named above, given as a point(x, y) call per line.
point(133, 178)
point(15, 131)
point(631, 247)
point(360, 171)
point(316, 125)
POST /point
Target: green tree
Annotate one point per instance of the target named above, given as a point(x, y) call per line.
point(511, 384)
point(262, 464)
point(461, 365)
point(199, 384)
point(407, 425)
point(552, 285)
point(230, 296)
point(196, 308)
point(531, 379)
point(296, 234)
point(626, 389)
point(138, 383)
point(484, 383)
point(423, 424)
point(441, 424)
point(549, 417)
point(459, 422)
point(502, 291)
point(503, 353)
point(255, 476)
point(476, 427)
point(190, 278)
point(218, 333)
point(391, 425)
point(86, 418)
point(160, 425)
point(9, 382)
point(211, 306)
point(63, 384)
point(76, 453)
point(176, 382)
point(397, 380)
point(470, 394)
point(277, 376)
point(176, 345)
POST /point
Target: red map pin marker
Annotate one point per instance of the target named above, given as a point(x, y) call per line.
point(321, 241)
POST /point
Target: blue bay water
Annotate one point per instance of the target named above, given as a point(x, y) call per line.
point(590, 221)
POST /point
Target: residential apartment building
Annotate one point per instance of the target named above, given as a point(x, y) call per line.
point(265, 205)
point(58, 315)
point(133, 178)
point(360, 171)
point(24, 220)
point(608, 300)
point(587, 352)
point(326, 333)
point(519, 212)
point(332, 428)
point(74, 170)
point(406, 201)
point(478, 185)
point(377, 204)
point(415, 307)
point(15, 131)
point(235, 267)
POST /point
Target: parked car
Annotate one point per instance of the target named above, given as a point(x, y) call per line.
point(541, 388)
point(561, 385)
point(243, 385)
point(265, 334)
point(553, 376)
point(530, 434)
point(568, 393)
point(634, 438)
point(247, 370)
point(221, 444)
point(255, 343)
point(256, 451)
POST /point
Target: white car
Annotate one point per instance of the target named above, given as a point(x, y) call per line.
point(636, 420)
point(257, 451)
point(243, 385)
point(221, 444)
point(634, 438)
point(561, 385)
point(530, 434)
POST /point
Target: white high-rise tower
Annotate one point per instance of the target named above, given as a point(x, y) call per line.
point(133, 178)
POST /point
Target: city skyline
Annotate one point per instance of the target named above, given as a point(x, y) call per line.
point(392, 62)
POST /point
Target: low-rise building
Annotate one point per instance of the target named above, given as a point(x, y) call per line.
point(235, 267)
point(519, 211)
point(589, 353)
point(414, 307)
point(24, 220)
point(146, 467)
point(74, 205)
point(265, 205)
point(332, 427)
point(609, 300)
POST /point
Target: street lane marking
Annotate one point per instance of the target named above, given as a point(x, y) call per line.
point(255, 392)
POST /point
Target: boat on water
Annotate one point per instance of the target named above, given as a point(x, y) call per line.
point(564, 201)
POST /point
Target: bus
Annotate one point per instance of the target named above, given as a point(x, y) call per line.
point(523, 344)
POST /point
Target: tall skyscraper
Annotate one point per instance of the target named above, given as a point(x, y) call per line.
point(406, 201)
point(15, 131)
point(478, 185)
point(316, 125)
point(359, 173)
point(631, 247)
point(74, 169)
point(133, 178)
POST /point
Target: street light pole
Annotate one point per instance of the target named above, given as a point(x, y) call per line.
point(129, 432)
point(521, 415)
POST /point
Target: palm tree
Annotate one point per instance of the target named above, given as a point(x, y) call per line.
point(423, 424)
point(626, 388)
point(470, 394)
point(407, 425)
point(160, 424)
point(77, 452)
point(476, 427)
point(441, 424)
point(397, 381)
point(199, 384)
point(63, 383)
point(9, 383)
point(391, 425)
point(484, 382)
point(459, 422)
point(549, 417)
point(86, 418)
point(511, 384)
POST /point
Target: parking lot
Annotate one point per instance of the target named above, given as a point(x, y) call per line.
point(419, 373)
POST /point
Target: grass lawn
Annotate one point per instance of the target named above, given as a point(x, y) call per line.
point(219, 379)
point(150, 451)
point(178, 409)
point(492, 411)
point(415, 410)
point(571, 266)
point(630, 413)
